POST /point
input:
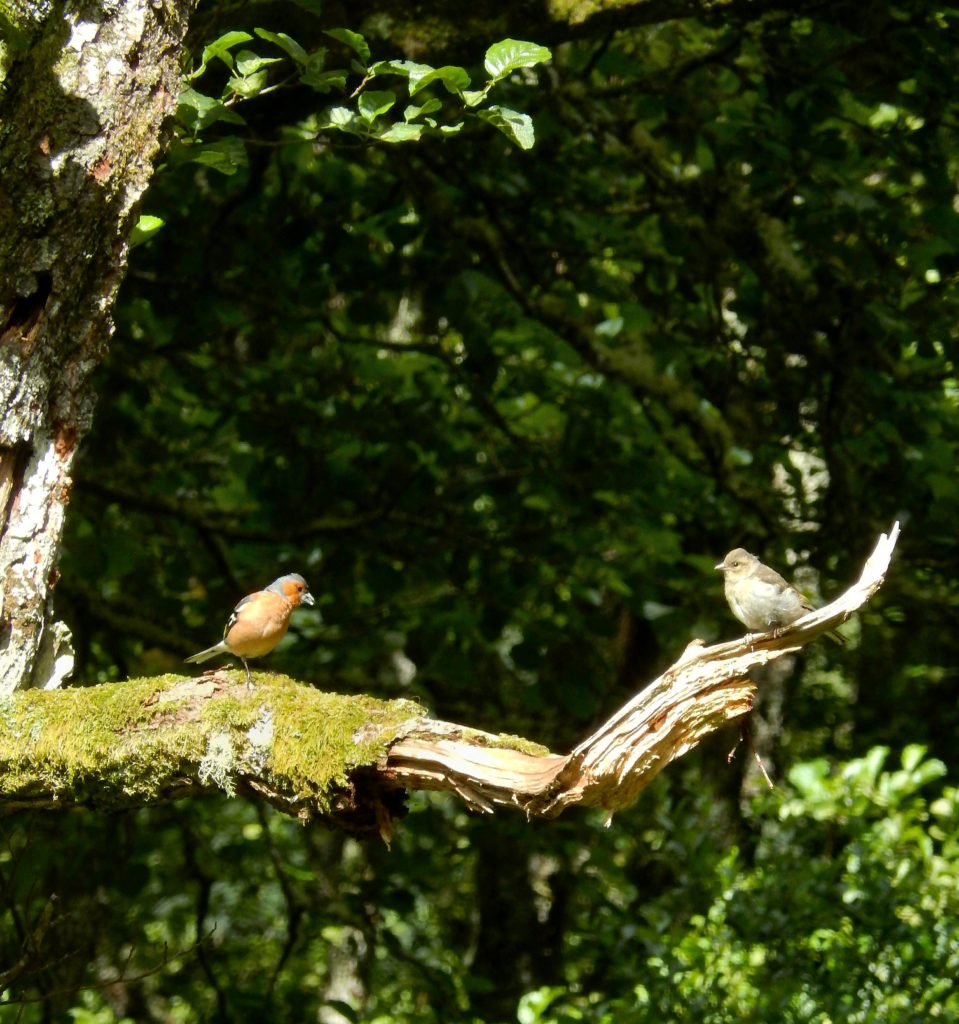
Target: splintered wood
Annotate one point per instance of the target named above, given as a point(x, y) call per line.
point(706, 689)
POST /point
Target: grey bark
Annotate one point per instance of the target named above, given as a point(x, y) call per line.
point(85, 102)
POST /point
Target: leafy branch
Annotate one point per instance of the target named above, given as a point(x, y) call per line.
point(425, 101)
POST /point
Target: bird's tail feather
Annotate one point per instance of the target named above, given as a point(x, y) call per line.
point(210, 652)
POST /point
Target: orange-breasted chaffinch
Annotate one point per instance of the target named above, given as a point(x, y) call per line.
point(259, 622)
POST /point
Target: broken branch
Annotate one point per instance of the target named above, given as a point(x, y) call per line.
point(350, 758)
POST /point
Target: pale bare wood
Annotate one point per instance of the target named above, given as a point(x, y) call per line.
point(706, 689)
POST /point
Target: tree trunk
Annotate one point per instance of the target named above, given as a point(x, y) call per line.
point(82, 117)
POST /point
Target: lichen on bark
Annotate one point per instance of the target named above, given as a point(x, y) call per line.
point(143, 740)
point(82, 117)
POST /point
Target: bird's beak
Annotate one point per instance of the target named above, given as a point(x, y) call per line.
point(307, 598)
point(721, 567)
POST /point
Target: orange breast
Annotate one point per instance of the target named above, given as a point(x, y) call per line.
point(260, 625)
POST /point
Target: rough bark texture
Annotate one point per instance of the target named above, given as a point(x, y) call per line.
point(84, 100)
point(349, 758)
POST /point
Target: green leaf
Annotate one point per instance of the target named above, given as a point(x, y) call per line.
point(404, 68)
point(353, 40)
point(912, 756)
point(247, 62)
point(285, 43)
point(341, 116)
point(220, 49)
point(324, 81)
point(226, 42)
point(372, 104)
point(454, 78)
point(928, 771)
point(345, 120)
point(533, 1005)
point(248, 86)
point(145, 228)
point(316, 60)
point(511, 54)
point(473, 97)
point(401, 133)
point(225, 155)
point(197, 111)
point(413, 111)
point(515, 126)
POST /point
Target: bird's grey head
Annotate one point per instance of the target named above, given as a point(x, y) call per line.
point(738, 563)
point(293, 587)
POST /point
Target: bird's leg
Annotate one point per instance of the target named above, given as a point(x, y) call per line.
point(249, 675)
point(750, 640)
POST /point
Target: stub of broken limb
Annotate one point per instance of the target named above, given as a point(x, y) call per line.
point(707, 688)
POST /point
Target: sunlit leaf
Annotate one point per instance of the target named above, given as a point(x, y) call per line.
point(513, 54)
point(517, 127)
point(220, 48)
point(145, 228)
point(453, 78)
point(401, 132)
point(225, 155)
point(285, 43)
point(198, 111)
point(248, 62)
point(372, 104)
point(354, 40)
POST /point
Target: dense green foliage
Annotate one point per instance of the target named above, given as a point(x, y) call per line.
point(368, 113)
point(505, 410)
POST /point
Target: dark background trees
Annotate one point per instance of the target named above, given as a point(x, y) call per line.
point(505, 410)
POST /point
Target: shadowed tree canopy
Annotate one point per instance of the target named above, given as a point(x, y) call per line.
point(504, 408)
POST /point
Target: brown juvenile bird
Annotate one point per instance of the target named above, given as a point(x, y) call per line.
point(259, 622)
point(758, 596)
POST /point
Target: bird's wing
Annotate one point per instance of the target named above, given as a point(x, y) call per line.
point(766, 575)
point(777, 586)
point(235, 614)
point(768, 592)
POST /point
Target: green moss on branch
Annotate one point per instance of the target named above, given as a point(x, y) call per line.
point(143, 740)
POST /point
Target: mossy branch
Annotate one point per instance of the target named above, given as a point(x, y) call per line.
point(349, 759)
